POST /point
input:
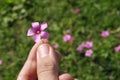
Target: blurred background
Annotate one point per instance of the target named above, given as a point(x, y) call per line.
point(85, 19)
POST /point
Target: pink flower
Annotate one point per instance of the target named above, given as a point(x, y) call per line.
point(56, 46)
point(37, 31)
point(67, 38)
point(88, 53)
point(117, 48)
point(105, 34)
point(88, 44)
point(0, 62)
point(76, 11)
point(80, 47)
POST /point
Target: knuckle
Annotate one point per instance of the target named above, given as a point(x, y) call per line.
point(46, 67)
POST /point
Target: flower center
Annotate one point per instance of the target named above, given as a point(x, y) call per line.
point(38, 32)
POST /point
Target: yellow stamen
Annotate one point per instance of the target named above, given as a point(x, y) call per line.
point(38, 32)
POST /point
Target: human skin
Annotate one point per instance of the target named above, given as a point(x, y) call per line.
point(42, 64)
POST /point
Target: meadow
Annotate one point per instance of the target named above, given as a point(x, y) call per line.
point(85, 20)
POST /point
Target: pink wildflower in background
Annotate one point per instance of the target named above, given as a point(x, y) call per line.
point(105, 34)
point(117, 48)
point(67, 38)
point(56, 45)
point(80, 47)
point(88, 53)
point(37, 31)
point(1, 62)
point(88, 44)
point(76, 11)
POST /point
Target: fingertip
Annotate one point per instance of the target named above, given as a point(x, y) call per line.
point(46, 63)
point(36, 45)
point(65, 76)
point(45, 41)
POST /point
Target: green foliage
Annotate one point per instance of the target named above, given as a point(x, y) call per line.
point(94, 16)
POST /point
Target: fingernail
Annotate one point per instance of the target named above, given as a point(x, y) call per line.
point(43, 50)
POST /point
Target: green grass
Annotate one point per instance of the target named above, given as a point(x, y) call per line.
point(94, 17)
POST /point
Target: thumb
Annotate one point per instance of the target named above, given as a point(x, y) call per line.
point(47, 66)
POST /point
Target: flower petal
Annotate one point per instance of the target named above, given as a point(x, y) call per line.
point(56, 46)
point(80, 47)
point(117, 48)
point(105, 34)
point(35, 24)
point(1, 62)
point(44, 34)
point(37, 38)
point(44, 26)
point(88, 53)
point(88, 44)
point(67, 37)
point(76, 11)
point(30, 32)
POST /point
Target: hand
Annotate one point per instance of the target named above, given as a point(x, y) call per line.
point(42, 64)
